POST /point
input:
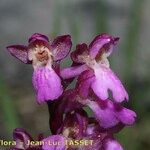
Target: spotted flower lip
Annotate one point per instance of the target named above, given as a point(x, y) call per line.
point(106, 80)
point(47, 84)
point(93, 60)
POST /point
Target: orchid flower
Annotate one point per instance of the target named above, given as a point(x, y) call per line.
point(94, 70)
point(42, 54)
point(23, 141)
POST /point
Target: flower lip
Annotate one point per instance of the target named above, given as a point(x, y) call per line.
point(47, 84)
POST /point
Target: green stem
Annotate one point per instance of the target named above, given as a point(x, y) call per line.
point(57, 19)
point(101, 24)
point(10, 118)
point(132, 36)
point(72, 22)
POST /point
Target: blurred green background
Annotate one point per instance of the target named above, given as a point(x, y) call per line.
point(83, 19)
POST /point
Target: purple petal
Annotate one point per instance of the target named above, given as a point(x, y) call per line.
point(84, 83)
point(75, 124)
point(38, 39)
point(94, 134)
point(21, 137)
point(38, 36)
point(72, 71)
point(81, 49)
point(126, 116)
point(94, 144)
point(104, 113)
point(102, 43)
point(106, 80)
point(54, 142)
point(61, 47)
point(82, 120)
point(47, 84)
point(111, 144)
point(68, 104)
point(20, 52)
point(88, 73)
point(69, 101)
point(111, 115)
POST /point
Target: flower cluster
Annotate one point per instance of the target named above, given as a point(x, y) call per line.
point(97, 88)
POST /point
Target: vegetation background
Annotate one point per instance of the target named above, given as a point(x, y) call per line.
point(83, 19)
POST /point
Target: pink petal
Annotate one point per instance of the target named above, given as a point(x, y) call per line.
point(103, 42)
point(81, 49)
point(111, 144)
point(84, 83)
point(38, 39)
point(47, 84)
point(110, 114)
point(106, 80)
point(38, 36)
point(20, 52)
point(61, 47)
point(72, 71)
point(104, 114)
point(126, 116)
point(54, 142)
